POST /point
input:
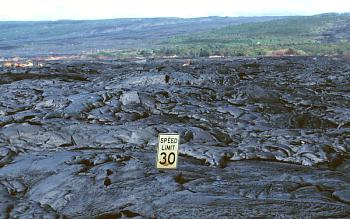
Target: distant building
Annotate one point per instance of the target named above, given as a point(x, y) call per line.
point(17, 64)
point(8, 64)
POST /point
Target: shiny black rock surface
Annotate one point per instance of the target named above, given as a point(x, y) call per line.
point(265, 137)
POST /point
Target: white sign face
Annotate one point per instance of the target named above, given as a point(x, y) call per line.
point(168, 149)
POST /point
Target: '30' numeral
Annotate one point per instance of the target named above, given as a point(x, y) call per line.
point(170, 159)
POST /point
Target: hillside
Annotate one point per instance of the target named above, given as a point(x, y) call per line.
point(75, 37)
point(326, 34)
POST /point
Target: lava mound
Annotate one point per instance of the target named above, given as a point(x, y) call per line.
point(260, 137)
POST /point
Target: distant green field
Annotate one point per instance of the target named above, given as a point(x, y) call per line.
point(69, 37)
point(326, 34)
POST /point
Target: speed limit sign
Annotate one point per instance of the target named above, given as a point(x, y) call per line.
point(168, 149)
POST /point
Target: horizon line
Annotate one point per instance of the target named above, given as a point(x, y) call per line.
point(160, 17)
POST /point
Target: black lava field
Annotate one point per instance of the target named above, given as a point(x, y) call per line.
point(260, 137)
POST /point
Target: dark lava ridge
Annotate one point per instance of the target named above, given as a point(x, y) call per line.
point(260, 137)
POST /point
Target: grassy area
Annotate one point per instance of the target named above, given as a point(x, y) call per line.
point(122, 54)
point(326, 34)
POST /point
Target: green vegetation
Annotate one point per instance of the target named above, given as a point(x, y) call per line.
point(326, 34)
point(122, 54)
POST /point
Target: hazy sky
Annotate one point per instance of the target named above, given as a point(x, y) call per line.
point(101, 9)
